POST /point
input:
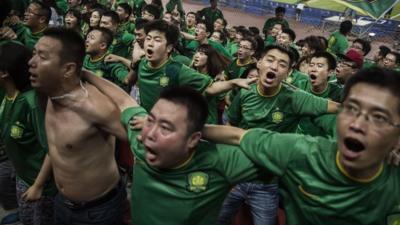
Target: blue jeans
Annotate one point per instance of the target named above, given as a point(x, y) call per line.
point(262, 199)
point(98, 212)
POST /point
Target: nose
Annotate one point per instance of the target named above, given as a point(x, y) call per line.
point(152, 133)
point(31, 61)
point(358, 123)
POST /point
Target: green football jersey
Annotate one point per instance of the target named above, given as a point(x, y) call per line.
point(171, 4)
point(337, 43)
point(194, 45)
point(151, 81)
point(269, 40)
point(114, 72)
point(295, 77)
point(272, 21)
point(23, 133)
point(210, 16)
point(25, 35)
point(137, 7)
point(236, 70)
point(332, 92)
point(314, 187)
point(281, 112)
point(195, 190)
point(122, 44)
point(126, 27)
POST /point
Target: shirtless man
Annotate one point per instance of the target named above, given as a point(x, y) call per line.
point(80, 124)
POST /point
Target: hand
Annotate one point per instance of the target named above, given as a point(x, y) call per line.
point(12, 20)
point(137, 52)
point(33, 193)
point(394, 156)
point(111, 58)
point(220, 77)
point(137, 122)
point(7, 33)
point(244, 83)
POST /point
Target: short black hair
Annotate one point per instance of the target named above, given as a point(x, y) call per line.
point(366, 45)
point(14, 60)
point(243, 31)
point(140, 23)
point(314, 43)
point(106, 35)
point(287, 50)
point(113, 15)
point(44, 10)
point(126, 7)
point(72, 45)
point(345, 27)
point(330, 59)
point(252, 41)
point(254, 30)
point(280, 9)
point(77, 14)
point(201, 21)
point(171, 31)
point(248, 69)
point(290, 32)
point(383, 50)
point(222, 36)
point(153, 10)
point(193, 101)
point(380, 77)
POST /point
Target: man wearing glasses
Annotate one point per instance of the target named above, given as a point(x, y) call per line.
point(349, 64)
point(28, 32)
point(344, 180)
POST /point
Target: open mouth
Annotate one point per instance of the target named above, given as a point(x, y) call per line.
point(151, 156)
point(149, 52)
point(313, 77)
point(271, 75)
point(354, 145)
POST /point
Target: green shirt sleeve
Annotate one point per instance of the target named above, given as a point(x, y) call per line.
point(36, 117)
point(194, 79)
point(304, 103)
point(118, 71)
point(273, 151)
point(234, 111)
point(126, 116)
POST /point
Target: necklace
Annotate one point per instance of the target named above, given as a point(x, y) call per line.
point(70, 95)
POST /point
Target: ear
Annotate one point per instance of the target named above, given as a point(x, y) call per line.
point(194, 139)
point(169, 48)
point(103, 46)
point(69, 69)
point(42, 19)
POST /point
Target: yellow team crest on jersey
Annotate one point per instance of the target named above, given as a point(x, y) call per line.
point(198, 182)
point(289, 80)
point(277, 117)
point(393, 219)
point(99, 73)
point(164, 81)
point(17, 130)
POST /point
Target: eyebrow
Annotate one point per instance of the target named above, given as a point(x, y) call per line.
point(373, 107)
point(151, 115)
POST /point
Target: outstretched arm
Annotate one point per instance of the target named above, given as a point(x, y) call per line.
point(223, 134)
point(118, 96)
point(223, 86)
point(333, 107)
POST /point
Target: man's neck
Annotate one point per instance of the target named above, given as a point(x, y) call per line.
point(67, 88)
point(203, 41)
point(10, 89)
point(158, 64)
point(95, 57)
point(268, 91)
point(245, 61)
point(320, 88)
point(361, 175)
point(38, 29)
